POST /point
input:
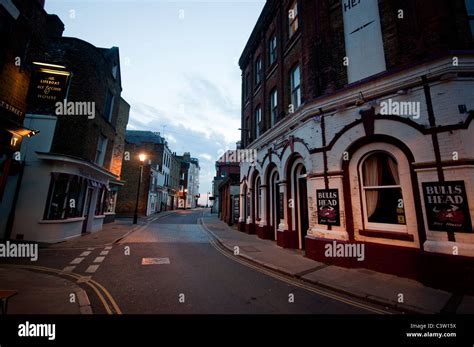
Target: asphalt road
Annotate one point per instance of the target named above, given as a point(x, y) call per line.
point(198, 279)
point(190, 276)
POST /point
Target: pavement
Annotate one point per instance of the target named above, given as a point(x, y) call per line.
point(40, 293)
point(396, 292)
point(111, 233)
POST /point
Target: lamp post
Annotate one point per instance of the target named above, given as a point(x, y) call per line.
point(142, 158)
point(185, 197)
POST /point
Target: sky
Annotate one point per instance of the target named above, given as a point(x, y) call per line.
point(179, 66)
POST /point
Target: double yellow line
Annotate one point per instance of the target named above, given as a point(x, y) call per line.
point(103, 294)
point(228, 254)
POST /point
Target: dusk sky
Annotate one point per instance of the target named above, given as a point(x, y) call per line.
point(179, 65)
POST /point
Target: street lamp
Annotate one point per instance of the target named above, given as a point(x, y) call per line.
point(142, 158)
point(185, 198)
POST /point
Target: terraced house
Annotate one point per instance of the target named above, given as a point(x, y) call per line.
point(361, 114)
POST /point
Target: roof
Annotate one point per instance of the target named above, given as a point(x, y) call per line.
point(141, 136)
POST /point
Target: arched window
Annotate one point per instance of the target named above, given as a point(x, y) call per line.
point(382, 196)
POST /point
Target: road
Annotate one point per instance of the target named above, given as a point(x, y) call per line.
point(192, 276)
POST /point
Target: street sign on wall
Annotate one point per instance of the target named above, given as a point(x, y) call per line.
point(446, 206)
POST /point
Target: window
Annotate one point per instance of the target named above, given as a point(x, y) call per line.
point(110, 200)
point(101, 203)
point(258, 71)
point(109, 106)
point(247, 86)
point(382, 197)
point(274, 106)
point(293, 19)
point(470, 14)
point(66, 197)
point(258, 120)
point(115, 70)
point(101, 148)
point(272, 49)
point(295, 87)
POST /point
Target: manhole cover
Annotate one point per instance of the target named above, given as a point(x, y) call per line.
point(249, 249)
point(155, 261)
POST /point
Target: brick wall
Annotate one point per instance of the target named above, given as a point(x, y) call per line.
point(423, 32)
point(119, 141)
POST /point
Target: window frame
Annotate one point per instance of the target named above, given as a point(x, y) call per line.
point(295, 20)
point(272, 49)
point(258, 71)
point(102, 142)
point(293, 88)
point(470, 15)
point(258, 121)
point(274, 106)
point(109, 106)
point(399, 228)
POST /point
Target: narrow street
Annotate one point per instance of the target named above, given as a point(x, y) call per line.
point(212, 281)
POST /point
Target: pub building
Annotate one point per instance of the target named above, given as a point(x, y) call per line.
point(24, 30)
point(71, 168)
point(361, 113)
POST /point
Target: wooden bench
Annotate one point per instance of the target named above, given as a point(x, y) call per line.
point(6, 295)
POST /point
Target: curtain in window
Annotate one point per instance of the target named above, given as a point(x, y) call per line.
point(371, 179)
point(394, 170)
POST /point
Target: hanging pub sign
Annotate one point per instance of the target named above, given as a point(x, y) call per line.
point(47, 87)
point(327, 201)
point(446, 206)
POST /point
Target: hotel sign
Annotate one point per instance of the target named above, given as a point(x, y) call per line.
point(327, 201)
point(446, 206)
point(47, 87)
point(363, 39)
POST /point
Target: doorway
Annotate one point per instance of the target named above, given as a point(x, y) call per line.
point(87, 209)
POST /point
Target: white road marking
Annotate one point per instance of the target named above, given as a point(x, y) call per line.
point(155, 261)
point(104, 252)
point(99, 259)
point(85, 254)
point(90, 249)
point(76, 261)
point(92, 268)
point(69, 268)
point(108, 248)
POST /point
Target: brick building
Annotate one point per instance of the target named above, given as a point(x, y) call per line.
point(159, 182)
point(24, 31)
point(361, 113)
point(72, 167)
point(226, 188)
point(189, 181)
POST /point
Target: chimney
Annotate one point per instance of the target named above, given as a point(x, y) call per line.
point(55, 27)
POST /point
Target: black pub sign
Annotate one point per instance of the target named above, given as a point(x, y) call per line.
point(446, 206)
point(327, 201)
point(47, 87)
